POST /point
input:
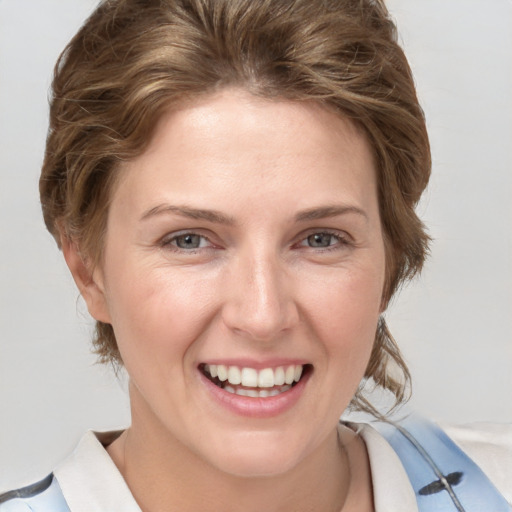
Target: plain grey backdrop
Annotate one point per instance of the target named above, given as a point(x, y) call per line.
point(454, 323)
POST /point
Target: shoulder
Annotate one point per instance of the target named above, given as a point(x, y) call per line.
point(490, 446)
point(42, 496)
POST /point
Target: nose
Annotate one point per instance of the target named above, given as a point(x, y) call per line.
point(260, 302)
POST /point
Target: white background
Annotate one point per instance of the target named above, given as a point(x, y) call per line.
point(454, 323)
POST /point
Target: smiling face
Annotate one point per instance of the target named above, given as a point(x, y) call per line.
point(244, 252)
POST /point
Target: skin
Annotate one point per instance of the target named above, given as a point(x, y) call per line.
point(256, 289)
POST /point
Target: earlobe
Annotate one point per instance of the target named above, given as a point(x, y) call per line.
point(89, 283)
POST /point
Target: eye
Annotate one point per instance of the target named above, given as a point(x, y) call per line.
point(186, 241)
point(323, 240)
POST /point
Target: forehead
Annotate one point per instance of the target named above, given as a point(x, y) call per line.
point(231, 140)
point(233, 116)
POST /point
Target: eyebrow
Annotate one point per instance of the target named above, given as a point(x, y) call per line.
point(329, 211)
point(191, 213)
point(217, 217)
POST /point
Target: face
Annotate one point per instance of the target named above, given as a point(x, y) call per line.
point(243, 273)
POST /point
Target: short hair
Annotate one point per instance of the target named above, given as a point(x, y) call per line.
point(132, 60)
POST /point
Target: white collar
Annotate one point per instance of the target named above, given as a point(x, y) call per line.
point(392, 491)
point(89, 479)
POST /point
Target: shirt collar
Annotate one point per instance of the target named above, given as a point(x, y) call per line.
point(89, 479)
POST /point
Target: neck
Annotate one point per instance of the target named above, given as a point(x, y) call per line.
point(163, 474)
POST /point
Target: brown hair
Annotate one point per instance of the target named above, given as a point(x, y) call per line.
point(132, 59)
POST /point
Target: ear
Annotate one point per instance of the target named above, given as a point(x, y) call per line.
point(88, 280)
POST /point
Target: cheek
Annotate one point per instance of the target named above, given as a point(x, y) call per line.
point(158, 309)
point(344, 313)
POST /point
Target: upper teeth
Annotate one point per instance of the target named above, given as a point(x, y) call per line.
point(250, 377)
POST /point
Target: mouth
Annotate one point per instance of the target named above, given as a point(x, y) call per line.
point(250, 382)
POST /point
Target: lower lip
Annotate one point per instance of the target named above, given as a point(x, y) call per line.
point(256, 407)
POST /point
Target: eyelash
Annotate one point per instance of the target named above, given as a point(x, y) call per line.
point(169, 242)
point(341, 238)
point(342, 241)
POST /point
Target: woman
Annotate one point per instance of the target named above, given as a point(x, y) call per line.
point(233, 187)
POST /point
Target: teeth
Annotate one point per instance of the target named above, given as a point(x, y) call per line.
point(266, 378)
point(252, 378)
point(255, 393)
point(279, 376)
point(249, 377)
point(222, 372)
point(234, 375)
point(289, 374)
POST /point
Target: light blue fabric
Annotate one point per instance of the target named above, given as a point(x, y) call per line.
point(49, 500)
point(443, 477)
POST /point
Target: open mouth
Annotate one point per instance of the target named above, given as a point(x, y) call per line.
point(250, 382)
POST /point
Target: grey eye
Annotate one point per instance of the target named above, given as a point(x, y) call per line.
point(189, 241)
point(320, 240)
